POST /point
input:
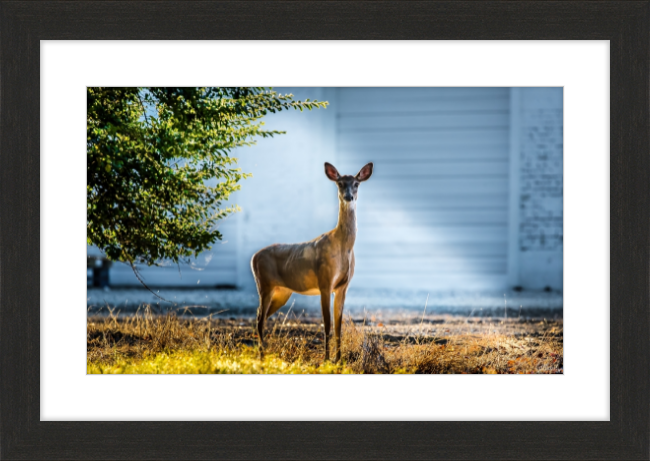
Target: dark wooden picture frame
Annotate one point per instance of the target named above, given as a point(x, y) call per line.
point(624, 23)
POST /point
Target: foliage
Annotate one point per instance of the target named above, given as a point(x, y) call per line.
point(160, 165)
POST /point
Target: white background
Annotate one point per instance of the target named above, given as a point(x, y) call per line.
point(582, 393)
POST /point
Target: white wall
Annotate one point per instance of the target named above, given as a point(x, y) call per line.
point(434, 216)
point(538, 147)
point(288, 199)
point(467, 190)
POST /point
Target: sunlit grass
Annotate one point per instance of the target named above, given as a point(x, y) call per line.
point(244, 361)
point(166, 344)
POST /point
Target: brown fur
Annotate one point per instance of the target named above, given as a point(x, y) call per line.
point(322, 266)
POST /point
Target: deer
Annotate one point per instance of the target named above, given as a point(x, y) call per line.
point(321, 266)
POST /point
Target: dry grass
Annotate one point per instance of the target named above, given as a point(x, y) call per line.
point(148, 343)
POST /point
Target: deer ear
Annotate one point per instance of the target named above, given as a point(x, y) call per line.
point(365, 172)
point(331, 172)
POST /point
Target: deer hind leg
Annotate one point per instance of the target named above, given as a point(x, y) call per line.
point(266, 296)
point(265, 289)
point(339, 302)
point(280, 298)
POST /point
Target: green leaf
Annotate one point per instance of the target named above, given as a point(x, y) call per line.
point(167, 145)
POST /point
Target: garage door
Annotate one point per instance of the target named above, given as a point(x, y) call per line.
point(435, 213)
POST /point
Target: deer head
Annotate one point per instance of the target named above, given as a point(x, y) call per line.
point(348, 185)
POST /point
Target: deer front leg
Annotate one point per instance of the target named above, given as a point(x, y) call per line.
point(325, 299)
point(339, 302)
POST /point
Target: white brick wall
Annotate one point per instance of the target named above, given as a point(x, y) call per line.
point(540, 151)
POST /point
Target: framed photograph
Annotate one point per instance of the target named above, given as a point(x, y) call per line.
point(449, 261)
point(451, 183)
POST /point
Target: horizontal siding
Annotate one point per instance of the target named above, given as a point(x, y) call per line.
point(439, 235)
point(415, 249)
point(433, 122)
point(405, 188)
point(425, 169)
point(458, 153)
point(447, 201)
point(447, 281)
point(157, 276)
point(430, 138)
point(435, 213)
point(434, 265)
point(409, 100)
point(440, 217)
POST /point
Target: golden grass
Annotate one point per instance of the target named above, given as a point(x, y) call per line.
point(148, 343)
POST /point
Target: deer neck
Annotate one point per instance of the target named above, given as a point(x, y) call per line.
point(346, 228)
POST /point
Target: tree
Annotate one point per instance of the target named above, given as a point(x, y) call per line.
point(160, 165)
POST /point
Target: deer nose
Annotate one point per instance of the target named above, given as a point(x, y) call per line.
point(348, 197)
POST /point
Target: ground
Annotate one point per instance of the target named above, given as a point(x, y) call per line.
point(243, 303)
point(375, 340)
